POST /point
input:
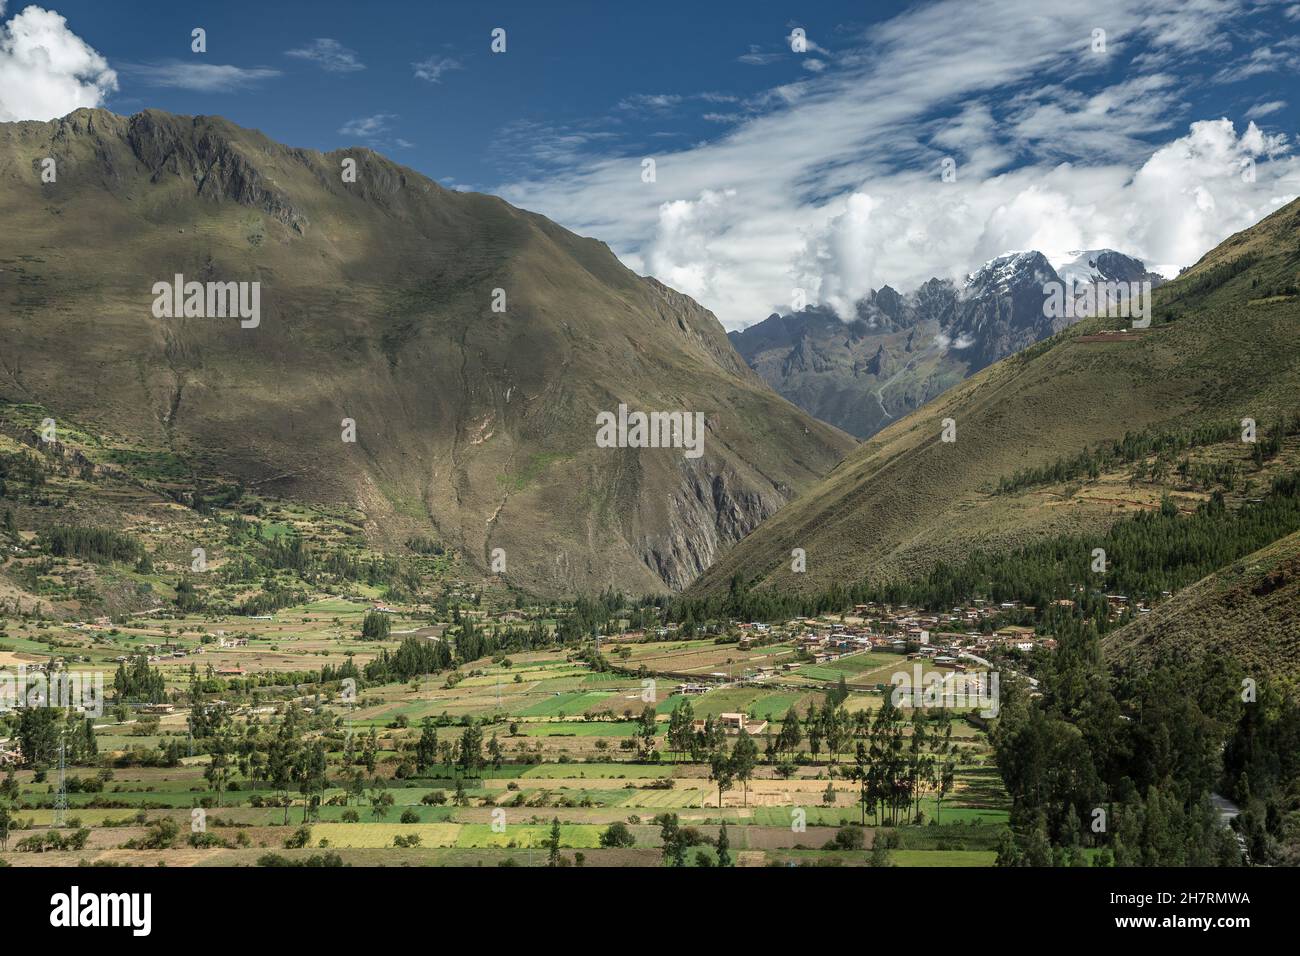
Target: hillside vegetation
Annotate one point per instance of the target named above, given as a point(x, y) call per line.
point(1250, 610)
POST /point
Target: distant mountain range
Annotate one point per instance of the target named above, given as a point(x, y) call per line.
point(900, 351)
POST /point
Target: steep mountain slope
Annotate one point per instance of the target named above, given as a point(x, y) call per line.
point(1221, 348)
point(472, 425)
point(858, 375)
point(900, 351)
point(1250, 610)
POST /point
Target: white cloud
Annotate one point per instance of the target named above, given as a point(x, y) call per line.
point(657, 105)
point(1187, 196)
point(1260, 61)
point(680, 255)
point(833, 183)
point(1260, 110)
point(654, 102)
point(46, 70)
point(369, 128)
point(757, 56)
point(432, 68)
point(199, 77)
point(331, 55)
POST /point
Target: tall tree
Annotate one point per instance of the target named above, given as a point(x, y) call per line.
point(720, 771)
point(646, 732)
point(553, 844)
point(217, 773)
point(426, 750)
point(724, 846)
point(744, 758)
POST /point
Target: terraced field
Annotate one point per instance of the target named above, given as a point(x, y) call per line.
point(565, 753)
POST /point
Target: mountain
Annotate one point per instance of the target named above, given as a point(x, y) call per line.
point(377, 303)
point(900, 351)
point(1221, 348)
point(1105, 265)
point(1250, 610)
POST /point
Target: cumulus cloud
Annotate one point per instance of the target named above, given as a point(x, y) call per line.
point(1187, 196)
point(681, 254)
point(46, 70)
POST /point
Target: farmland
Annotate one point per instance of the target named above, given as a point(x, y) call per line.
point(253, 683)
point(503, 760)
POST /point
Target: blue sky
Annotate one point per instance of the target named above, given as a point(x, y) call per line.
point(776, 169)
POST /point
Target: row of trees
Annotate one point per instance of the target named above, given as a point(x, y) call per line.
point(42, 730)
point(1164, 445)
point(139, 681)
point(1145, 555)
point(91, 544)
point(897, 758)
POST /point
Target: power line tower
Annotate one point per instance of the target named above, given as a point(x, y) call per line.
point(61, 799)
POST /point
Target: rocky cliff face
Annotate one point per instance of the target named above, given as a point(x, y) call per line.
point(708, 514)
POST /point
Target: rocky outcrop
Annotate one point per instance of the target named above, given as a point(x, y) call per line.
point(203, 154)
point(710, 513)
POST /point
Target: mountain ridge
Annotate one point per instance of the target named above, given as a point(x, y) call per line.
point(377, 306)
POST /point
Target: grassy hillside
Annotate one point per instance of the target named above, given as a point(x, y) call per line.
point(1249, 610)
point(1221, 348)
point(474, 427)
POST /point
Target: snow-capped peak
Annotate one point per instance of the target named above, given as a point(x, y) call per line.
point(1084, 267)
point(1003, 271)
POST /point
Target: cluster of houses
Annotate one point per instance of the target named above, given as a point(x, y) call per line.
point(940, 637)
point(157, 652)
